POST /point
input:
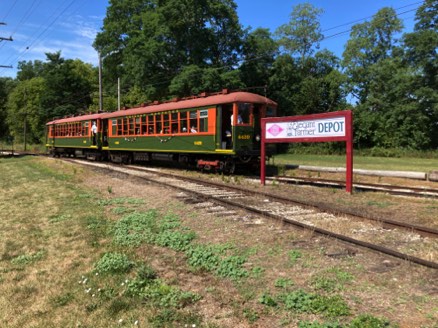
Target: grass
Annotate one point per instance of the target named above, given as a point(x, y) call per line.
point(88, 258)
point(367, 163)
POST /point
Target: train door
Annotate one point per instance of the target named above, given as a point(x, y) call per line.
point(225, 129)
point(104, 135)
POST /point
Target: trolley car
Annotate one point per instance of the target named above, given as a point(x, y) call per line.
point(213, 132)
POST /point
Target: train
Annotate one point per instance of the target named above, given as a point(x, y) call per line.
point(216, 132)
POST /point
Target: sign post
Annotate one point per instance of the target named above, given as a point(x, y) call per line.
point(333, 126)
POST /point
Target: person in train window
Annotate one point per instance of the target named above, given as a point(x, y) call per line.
point(193, 130)
point(239, 119)
point(94, 132)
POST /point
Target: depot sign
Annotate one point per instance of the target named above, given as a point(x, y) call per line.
point(318, 128)
point(334, 126)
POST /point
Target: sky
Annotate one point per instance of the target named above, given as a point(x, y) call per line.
point(40, 26)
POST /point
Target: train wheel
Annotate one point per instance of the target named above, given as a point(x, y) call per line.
point(230, 167)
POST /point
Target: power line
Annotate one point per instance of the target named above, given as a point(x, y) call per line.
point(368, 17)
point(5, 39)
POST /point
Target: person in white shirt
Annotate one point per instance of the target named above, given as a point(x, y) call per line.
point(94, 132)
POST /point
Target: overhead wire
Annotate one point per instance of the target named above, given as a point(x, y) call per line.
point(255, 58)
point(10, 9)
point(39, 38)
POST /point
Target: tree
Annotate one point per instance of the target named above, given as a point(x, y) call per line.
point(422, 55)
point(369, 43)
point(259, 52)
point(69, 86)
point(303, 32)
point(148, 43)
point(24, 107)
point(6, 85)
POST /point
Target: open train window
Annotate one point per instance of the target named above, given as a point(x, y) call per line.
point(271, 112)
point(244, 111)
point(183, 122)
point(203, 121)
point(194, 122)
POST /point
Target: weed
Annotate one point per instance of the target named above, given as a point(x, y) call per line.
point(267, 300)
point(113, 263)
point(109, 189)
point(307, 324)
point(250, 315)
point(382, 204)
point(257, 272)
point(118, 305)
point(331, 280)
point(368, 321)
point(283, 283)
point(121, 210)
point(62, 300)
point(59, 218)
point(294, 255)
point(301, 301)
point(175, 240)
point(26, 259)
point(231, 267)
point(136, 228)
point(203, 257)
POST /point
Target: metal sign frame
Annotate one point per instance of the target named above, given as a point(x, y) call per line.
point(326, 120)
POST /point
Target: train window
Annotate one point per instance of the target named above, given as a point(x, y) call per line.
point(166, 123)
point(120, 127)
point(183, 122)
point(143, 124)
point(114, 127)
point(137, 125)
point(203, 121)
point(131, 126)
point(174, 123)
point(194, 121)
point(270, 112)
point(244, 113)
point(151, 124)
point(158, 124)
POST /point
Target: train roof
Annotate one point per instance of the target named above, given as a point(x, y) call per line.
point(202, 101)
point(80, 118)
point(223, 98)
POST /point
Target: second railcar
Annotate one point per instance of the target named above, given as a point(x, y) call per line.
point(212, 132)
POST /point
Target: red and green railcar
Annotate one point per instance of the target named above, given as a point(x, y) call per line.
point(73, 136)
point(212, 132)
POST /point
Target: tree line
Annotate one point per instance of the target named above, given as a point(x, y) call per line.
point(161, 49)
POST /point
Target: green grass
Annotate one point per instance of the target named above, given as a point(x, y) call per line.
point(359, 162)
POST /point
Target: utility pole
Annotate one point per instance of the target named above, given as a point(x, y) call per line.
point(5, 39)
point(100, 84)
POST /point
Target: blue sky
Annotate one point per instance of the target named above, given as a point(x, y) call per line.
point(40, 26)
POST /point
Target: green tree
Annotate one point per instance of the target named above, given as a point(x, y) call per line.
point(148, 43)
point(422, 55)
point(369, 43)
point(259, 52)
point(303, 32)
point(6, 85)
point(69, 86)
point(315, 88)
point(24, 107)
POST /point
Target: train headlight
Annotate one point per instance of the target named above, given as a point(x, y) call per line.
point(257, 138)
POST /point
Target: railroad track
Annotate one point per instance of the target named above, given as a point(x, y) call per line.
point(219, 198)
point(390, 189)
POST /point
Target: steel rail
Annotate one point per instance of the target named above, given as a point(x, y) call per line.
point(380, 249)
point(392, 189)
point(424, 231)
